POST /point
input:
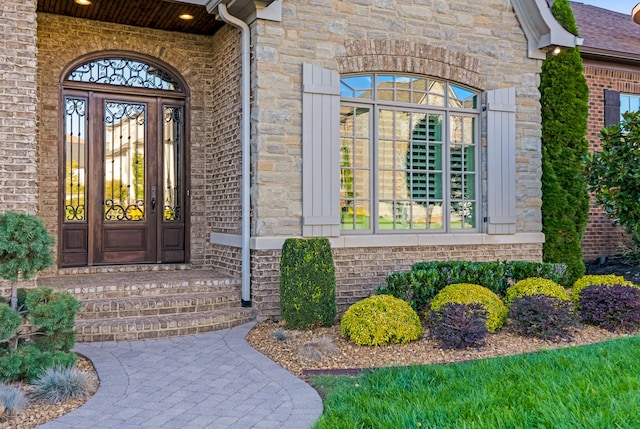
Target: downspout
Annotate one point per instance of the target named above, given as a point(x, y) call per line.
point(246, 148)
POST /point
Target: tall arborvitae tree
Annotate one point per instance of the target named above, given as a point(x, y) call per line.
point(565, 202)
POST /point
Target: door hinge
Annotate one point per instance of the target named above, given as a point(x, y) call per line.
point(188, 192)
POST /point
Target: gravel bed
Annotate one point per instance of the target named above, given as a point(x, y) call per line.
point(38, 412)
point(324, 350)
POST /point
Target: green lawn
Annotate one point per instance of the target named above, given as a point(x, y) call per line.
point(590, 387)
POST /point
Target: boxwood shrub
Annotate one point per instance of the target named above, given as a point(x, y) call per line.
point(535, 286)
point(380, 320)
point(307, 283)
point(425, 279)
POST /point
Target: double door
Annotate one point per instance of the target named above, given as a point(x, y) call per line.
point(124, 180)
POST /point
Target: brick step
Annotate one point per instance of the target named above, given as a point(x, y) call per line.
point(172, 325)
point(159, 305)
point(149, 283)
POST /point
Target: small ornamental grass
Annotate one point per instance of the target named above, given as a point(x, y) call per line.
point(612, 307)
point(380, 320)
point(12, 400)
point(59, 384)
point(535, 286)
point(542, 316)
point(458, 326)
point(593, 280)
point(465, 293)
point(317, 349)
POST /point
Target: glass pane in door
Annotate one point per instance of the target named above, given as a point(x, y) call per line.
point(172, 163)
point(75, 125)
point(124, 161)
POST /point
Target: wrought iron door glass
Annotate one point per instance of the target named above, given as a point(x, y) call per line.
point(75, 126)
point(172, 163)
point(124, 161)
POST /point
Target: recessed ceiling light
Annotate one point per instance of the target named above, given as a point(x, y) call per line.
point(83, 2)
point(186, 16)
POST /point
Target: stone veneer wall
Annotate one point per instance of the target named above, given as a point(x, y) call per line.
point(208, 65)
point(602, 237)
point(18, 172)
point(360, 270)
point(479, 44)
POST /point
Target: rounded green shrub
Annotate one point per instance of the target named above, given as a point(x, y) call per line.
point(380, 320)
point(596, 280)
point(466, 293)
point(535, 286)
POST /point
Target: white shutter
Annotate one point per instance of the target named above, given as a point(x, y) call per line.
point(501, 161)
point(320, 152)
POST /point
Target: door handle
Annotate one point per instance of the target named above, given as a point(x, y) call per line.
point(153, 200)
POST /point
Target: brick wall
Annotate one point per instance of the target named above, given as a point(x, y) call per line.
point(360, 270)
point(602, 237)
point(18, 178)
point(209, 65)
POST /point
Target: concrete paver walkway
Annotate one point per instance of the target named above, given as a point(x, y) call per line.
point(212, 380)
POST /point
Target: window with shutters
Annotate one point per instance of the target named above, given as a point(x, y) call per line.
point(409, 155)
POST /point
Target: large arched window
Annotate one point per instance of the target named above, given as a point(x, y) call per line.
point(409, 154)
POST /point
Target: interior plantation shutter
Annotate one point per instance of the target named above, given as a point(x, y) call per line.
point(501, 161)
point(320, 152)
point(611, 107)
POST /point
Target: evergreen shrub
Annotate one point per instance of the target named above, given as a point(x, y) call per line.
point(595, 280)
point(426, 279)
point(464, 293)
point(613, 175)
point(380, 320)
point(612, 307)
point(564, 98)
point(535, 286)
point(53, 314)
point(458, 326)
point(28, 362)
point(10, 321)
point(542, 316)
point(307, 283)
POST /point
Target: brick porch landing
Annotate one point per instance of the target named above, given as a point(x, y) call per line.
point(119, 304)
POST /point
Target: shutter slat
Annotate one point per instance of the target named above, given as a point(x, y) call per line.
point(320, 152)
point(501, 161)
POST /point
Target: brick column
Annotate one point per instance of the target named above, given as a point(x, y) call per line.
point(18, 172)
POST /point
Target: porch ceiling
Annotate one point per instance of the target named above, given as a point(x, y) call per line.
point(158, 14)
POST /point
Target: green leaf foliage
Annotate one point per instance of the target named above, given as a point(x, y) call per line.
point(565, 202)
point(9, 322)
point(25, 246)
point(28, 362)
point(426, 279)
point(307, 283)
point(613, 173)
point(380, 320)
point(54, 316)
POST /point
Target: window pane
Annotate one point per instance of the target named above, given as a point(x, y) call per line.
point(434, 216)
point(469, 186)
point(386, 124)
point(469, 158)
point(402, 215)
point(386, 184)
point(461, 97)
point(360, 87)
point(363, 215)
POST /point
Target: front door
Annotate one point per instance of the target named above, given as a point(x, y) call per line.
point(123, 190)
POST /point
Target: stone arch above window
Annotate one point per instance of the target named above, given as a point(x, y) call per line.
point(125, 71)
point(409, 57)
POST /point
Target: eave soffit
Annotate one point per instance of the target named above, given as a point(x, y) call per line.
point(542, 30)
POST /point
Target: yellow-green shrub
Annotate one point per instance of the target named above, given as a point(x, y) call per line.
point(466, 293)
point(379, 320)
point(535, 286)
point(595, 280)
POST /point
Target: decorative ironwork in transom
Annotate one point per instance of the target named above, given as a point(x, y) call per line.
point(124, 72)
